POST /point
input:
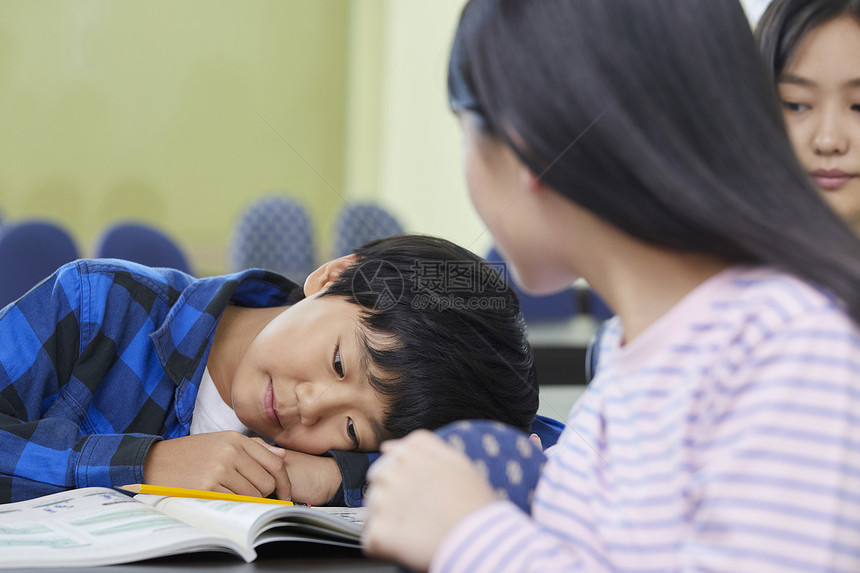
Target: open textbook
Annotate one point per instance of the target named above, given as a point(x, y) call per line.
point(100, 526)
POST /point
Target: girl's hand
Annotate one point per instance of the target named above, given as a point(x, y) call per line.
point(220, 461)
point(420, 489)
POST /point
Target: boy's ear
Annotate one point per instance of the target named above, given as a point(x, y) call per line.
point(327, 273)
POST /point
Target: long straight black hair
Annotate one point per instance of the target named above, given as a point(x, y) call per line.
point(785, 24)
point(659, 117)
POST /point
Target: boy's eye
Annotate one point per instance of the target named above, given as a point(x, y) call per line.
point(350, 431)
point(336, 363)
point(793, 106)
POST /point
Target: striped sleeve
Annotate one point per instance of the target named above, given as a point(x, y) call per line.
point(500, 537)
point(778, 484)
point(726, 440)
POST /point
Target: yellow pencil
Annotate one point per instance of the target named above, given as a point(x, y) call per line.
point(198, 493)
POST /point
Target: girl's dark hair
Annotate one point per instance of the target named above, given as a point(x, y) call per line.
point(444, 336)
point(785, 24)
point(658, 117)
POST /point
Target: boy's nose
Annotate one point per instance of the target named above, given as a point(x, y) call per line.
point(315, 400)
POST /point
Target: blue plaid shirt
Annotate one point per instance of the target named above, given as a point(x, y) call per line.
point(102, 359)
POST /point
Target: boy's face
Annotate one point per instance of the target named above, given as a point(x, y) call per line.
point(302, 384)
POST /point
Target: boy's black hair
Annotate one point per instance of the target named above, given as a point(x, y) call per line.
point(443, 333)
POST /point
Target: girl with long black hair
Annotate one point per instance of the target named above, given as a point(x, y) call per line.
point(639, 144)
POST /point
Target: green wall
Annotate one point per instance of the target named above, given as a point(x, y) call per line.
point(182, 112)
point(175, 112)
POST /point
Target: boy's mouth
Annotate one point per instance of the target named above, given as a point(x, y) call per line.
point(269, 405)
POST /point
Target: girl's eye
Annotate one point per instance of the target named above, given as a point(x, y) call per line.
point(792, 106)
point(350, 431)
point(855, 107)
point(336, 363)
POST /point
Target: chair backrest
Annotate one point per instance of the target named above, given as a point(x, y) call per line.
point(550, 308)
point(598, 308)
point(274, 233)
point(360, 223)
point(559, 306)
point(29, 252)
point(141, 243)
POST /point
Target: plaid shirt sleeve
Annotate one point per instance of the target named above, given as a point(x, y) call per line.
point(353, 472)
point(55, 347)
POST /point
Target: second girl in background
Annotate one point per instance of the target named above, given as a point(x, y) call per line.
point(812, 50)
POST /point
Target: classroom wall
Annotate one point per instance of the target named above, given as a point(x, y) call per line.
point(174, 112)
point(755, 8)
point(404, 145)
point(421, 171)
point(182, 112)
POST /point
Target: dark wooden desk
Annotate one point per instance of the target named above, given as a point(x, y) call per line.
point(559, 350)
point(563, 365)
point(271, 558)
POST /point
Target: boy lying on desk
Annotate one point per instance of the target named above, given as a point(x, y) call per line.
point(113, 373)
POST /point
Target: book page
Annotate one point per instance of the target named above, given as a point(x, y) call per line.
point(95, 526)
point(242, 522)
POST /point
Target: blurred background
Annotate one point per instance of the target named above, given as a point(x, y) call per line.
point(182, 113)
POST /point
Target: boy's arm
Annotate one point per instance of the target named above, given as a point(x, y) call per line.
point(42, 407)
point(353, 477)
point(353, 466)
point(46, 456)
point(336, 478)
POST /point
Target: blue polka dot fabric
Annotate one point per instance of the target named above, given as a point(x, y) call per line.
point(505, 455)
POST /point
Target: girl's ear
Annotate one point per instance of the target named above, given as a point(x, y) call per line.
point(529, 181)
point(327, 273)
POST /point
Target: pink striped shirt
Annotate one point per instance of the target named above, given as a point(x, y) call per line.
point(724, 438)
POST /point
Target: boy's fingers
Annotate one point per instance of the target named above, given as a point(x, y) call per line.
point(239, 484)
point(280, 452)
point(535, 439)
point(271, 466)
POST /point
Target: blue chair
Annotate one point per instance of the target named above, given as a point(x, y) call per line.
point(551, 308)
point(360, 223)
point(274, 233)
point(559, 306)
point(141, 243)
point(597, 308)
point(29, 252)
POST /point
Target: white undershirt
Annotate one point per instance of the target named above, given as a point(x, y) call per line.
point(211, 414)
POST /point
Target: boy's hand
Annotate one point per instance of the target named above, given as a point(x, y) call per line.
point(314, 479)
point(220, 461)
point(420, 490)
